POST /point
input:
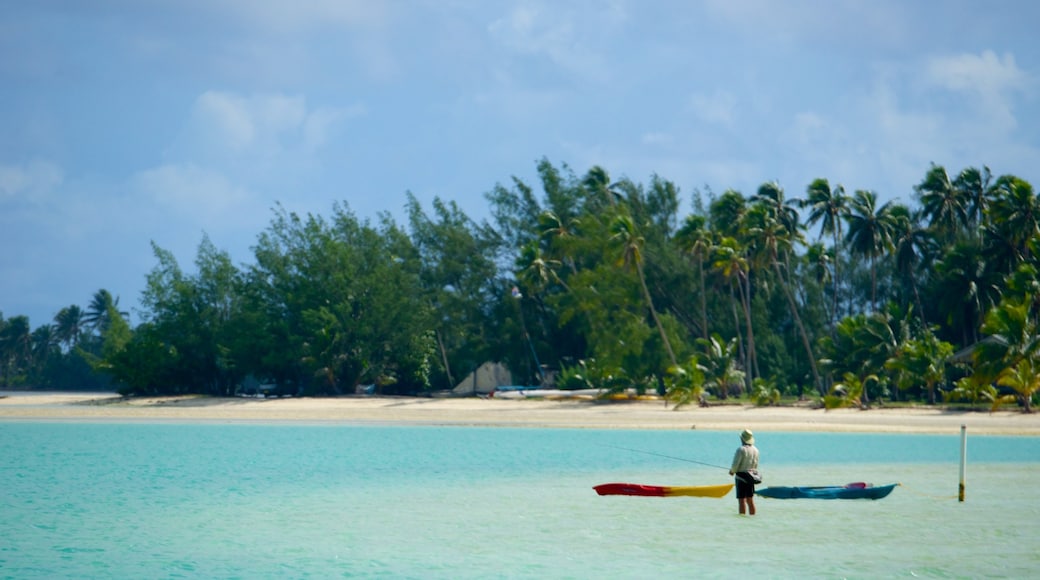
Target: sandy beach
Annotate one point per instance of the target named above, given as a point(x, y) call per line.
point(491, 412)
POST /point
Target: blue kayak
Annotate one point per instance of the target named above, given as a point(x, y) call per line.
point(850, 491)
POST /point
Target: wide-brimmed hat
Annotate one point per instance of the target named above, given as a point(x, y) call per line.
point(747, 437)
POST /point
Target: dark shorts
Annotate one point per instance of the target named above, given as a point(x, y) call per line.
point(744, 489)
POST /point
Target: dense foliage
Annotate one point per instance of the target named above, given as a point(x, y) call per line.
point(593, 283)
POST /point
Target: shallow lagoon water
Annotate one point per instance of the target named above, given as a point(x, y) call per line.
point(318, 501)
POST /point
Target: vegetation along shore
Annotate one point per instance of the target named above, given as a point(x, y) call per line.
point(828, 296)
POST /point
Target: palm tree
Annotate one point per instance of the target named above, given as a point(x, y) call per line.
point(1014, 216)
point(97, 316)
point(729, 260)
point(624, 234)
point(976, 190)
point(860, 346)
point(943, 204)
point(771, 196)
point(966, 288)
point(719, 364)
point(68, 326)
point(912, 245)
point(1012, 352)
point(1024, 379)
point(727, 213)
point(774, 239)
point(536, 270)
point(870, 232)
point(828, 207)
point(923, 359)
point(597, 182)
point(44, 343)
point(696, 241)
point(15, 347)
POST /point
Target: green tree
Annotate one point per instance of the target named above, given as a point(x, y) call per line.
point(921, 360)
point(15, 348)
point(96, 316)
point(696, 241)
point(870, 232)
point(944, 205)
point(68, 326)
point(774, 233)
point(912, 246)
point(729, 260)
point(828, 207)
point(1012, 350)
point(630, 244)
point(718, 362)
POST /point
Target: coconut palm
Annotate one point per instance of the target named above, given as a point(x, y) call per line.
point(976, 189)
point(1014, 217)
point(626, 237)
point(923, 359)
point(966, 288)
point(870, 232)
point(771, 197)
point(828, 207)
point(97, 315)
point(686, 383)
point(774, 241)
point(15, 347)
point(597, 183)
point(1012, 349)
point(696, 241)
point(68, 326)
point(719, 363)
point(912, 245)
point(860, 346)
point(1024, 379)
point(730, 261)
point(944, 205)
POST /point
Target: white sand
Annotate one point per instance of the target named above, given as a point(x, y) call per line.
point(506, 413)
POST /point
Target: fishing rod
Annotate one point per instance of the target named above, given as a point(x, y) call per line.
point(668, 456)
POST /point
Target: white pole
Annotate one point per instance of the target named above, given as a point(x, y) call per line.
point(964, 458)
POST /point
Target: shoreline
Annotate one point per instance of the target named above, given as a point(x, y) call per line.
point(492, 412)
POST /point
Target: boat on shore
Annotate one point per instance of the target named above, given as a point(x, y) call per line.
point(663, 490)
point(858, 490)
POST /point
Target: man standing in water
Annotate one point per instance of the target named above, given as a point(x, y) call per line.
point(746, 458)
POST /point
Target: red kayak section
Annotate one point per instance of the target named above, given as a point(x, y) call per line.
point(631, 489)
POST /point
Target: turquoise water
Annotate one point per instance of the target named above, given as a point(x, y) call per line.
point(129, 500)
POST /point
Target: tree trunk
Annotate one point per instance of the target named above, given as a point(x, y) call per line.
point(444, 358)
point(801, 327)
point(653, 313)
point(745, 289)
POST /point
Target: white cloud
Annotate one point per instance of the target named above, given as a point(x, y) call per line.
point(230, 125)
point(717, 107)
point(834, 25)
point(983, 73)
point(573, 39)
point(991, 79)
point(191, 191)
point(30, 181)
point(301, 15)
point(657, 138)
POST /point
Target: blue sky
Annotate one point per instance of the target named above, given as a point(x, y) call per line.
point(126, 122)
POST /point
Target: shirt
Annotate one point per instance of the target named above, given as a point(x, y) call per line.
point(745, 458)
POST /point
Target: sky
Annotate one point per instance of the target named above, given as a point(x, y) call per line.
point(128, 122)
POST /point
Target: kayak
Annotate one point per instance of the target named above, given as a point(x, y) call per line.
point(857, 490)
point(663, 490)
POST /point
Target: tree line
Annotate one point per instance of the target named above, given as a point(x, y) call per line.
point(589, 282)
